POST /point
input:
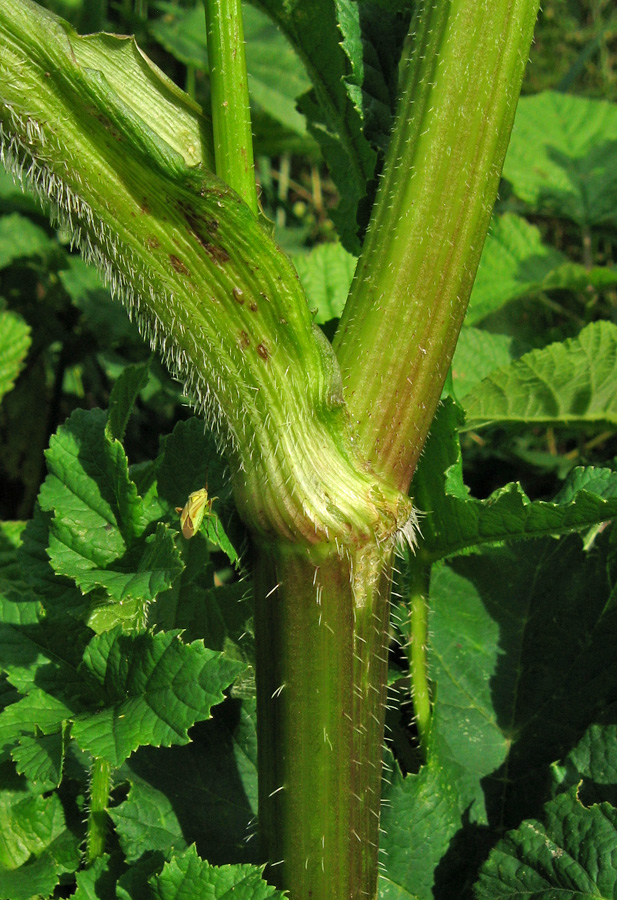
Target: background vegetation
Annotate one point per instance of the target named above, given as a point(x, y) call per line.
point(548, 274)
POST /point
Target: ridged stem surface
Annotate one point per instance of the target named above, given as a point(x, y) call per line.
point(321, 629)
point(460, 85)
point(229, 100)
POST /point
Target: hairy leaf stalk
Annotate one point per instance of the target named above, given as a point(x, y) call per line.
point(124, 158)
point(460, 85)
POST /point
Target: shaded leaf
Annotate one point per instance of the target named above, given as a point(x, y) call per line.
point(39, 758)
point(14, 344)
point(326, 274)
point(570, 854)
point(516, 263)
point(35, 847)
point(20, 237)
point(205, 792)
point(571, 383)
point(419, 819)
point(332, 114)
point(562, 157)
point(122, 399)
point(276, 76)
point(512, 675)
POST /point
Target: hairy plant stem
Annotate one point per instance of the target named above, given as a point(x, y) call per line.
point(321, 627)
point(419, 570)
point(460, 84)
point(231, 117)
point(98, 820)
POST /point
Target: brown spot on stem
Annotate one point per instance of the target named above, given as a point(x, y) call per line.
point(238, 295)
point(152, 242)
point(263, 351)
point(245, 340)
point(178, 265)
point(253, 306)
point(217, 254)
point(145, 208)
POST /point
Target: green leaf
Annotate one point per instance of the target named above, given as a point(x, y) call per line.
point(98, 519)
point(332, 114)
point(35, 847)
point(571, 854)
point(96, 882)
point(455, 522)
point(326, 274)
point(188, 875)
point(477, 354)
point(20, 237)
point(516, 263)
point(275, 74)
point(565, 383)
point(158, 566)
point(562, 158)
point(122, 399)
point(14, 344)
point(419, 818)
point(594, 759)
point(59, 595)
point(153, 688)
point(511, 676)
point(190, 462)
point(40, 758)
point(101, 315)
point(205, 792)
point(373, 34)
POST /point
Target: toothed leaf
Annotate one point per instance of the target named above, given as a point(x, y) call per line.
point(40, 758)
point(122, 399)
point(571, 383)
point(152, 688)
point(569, 854)
point(217, 795)
point(187, 874)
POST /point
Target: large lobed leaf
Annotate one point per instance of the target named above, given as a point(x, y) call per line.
point(522, 664)
point(569, 383)
point(516, 263)
point(568, 855)
point(455, 521)
point(562, 158)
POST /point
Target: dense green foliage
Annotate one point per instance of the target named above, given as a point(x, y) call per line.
point(123, 644)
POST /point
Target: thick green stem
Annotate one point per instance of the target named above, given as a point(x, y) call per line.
point(321, 628)
point(98, 820)
point(231, 115)
point(460, 86)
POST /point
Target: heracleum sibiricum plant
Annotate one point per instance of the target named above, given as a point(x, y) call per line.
point(322, 440)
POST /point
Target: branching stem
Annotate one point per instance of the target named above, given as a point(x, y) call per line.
point(231, 115)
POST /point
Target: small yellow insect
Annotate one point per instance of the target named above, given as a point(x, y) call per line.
point(197, 506)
